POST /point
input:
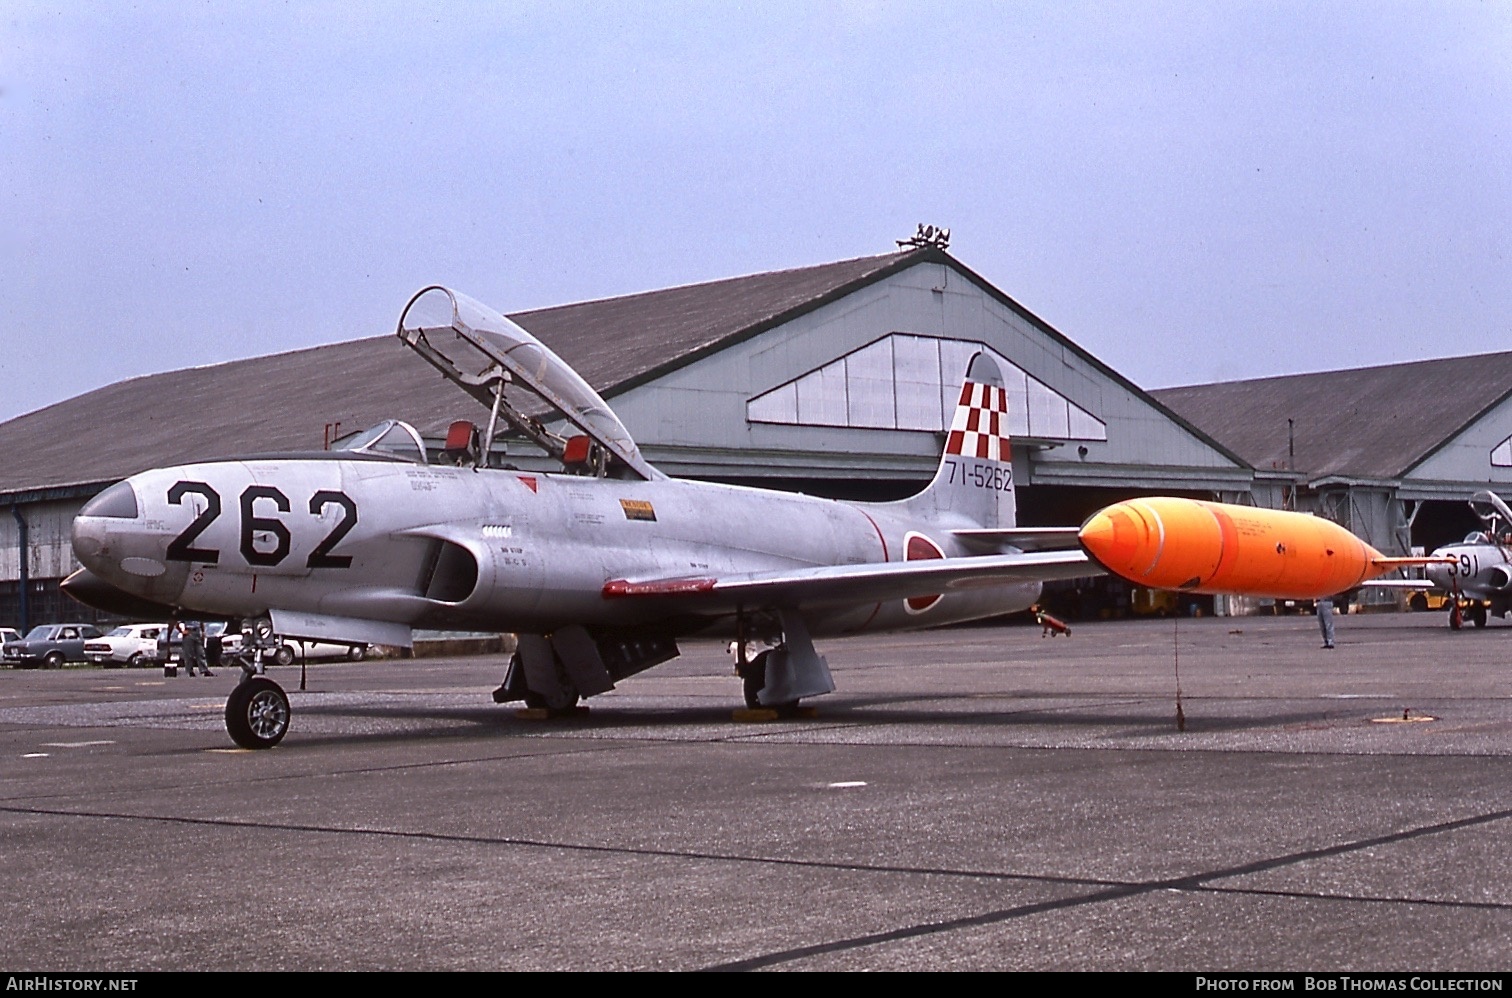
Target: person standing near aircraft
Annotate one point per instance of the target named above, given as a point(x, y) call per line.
point(1325, 607)
point(194, 647)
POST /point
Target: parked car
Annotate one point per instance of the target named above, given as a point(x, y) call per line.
point(288, 653)
point(49, 646)
point(131, 644)
point(230, 640)
point(9, 634)
point(289, 650)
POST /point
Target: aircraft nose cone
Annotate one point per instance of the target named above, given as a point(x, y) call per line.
point(99, 518)
point(123, 553)
point(1112, 537)
point(88, 539)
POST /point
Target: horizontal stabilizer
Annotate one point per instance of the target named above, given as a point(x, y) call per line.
point(1416, 561)
point(1023, 538)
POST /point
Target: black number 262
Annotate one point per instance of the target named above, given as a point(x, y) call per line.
point(182, 548)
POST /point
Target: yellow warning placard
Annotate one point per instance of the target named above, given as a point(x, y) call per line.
point(638, 509)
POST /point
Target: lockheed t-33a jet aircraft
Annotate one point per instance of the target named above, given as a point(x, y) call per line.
point(1476, 573)
point(599, 567)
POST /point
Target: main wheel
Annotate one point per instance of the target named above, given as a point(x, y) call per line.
point(1478, 615)
point(1456, 616)
point(753, 680)
point(538, 701)
point(257, 713)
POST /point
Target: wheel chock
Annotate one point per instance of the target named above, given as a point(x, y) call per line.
point(550, 713)
point(765, 715)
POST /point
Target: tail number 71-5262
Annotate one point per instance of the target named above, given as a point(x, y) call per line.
point(997, 477)
point(254, 548)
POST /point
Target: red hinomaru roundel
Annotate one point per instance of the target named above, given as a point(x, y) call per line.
point(917, 547)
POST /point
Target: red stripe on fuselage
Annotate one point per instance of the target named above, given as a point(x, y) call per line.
point(877, 607)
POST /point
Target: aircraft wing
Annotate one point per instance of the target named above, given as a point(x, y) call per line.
point(837, 585)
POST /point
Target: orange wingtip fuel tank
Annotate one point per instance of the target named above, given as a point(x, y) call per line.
point(1208, 547)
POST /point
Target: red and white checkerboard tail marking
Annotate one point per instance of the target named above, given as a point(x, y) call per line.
point(974, 482)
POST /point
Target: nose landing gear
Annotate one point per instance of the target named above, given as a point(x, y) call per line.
point(257, 711)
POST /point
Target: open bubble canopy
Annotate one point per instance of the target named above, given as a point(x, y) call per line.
point(476, 346)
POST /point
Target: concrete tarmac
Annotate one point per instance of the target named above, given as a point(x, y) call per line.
point(978, 798)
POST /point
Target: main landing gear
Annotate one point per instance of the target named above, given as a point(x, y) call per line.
point(777, 678)
point(752, 673)
point(1471, 610)
point(552, 672)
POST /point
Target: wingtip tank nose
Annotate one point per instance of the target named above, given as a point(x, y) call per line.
point(1114, 538)
point(1098, 535)
point(1157, 541)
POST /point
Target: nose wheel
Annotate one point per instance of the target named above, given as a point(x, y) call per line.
point(257, 713)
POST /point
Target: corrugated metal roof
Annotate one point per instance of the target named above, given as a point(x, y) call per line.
point(1369, 422)
point(281, 402)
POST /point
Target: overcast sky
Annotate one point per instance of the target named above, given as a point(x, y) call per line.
point(1192, 192)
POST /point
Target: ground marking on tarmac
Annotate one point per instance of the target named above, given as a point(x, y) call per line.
point(149, 682)
point(36, 755)
point(851, 783)
point(75, 744)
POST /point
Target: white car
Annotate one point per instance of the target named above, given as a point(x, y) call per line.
point(289, 650)
point(230, 640)
point(9, 634)
point(130, 644)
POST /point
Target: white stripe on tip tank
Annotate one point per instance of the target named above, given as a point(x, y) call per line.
point(1160, 533)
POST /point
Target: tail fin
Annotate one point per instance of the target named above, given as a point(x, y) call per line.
point(974, 482)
